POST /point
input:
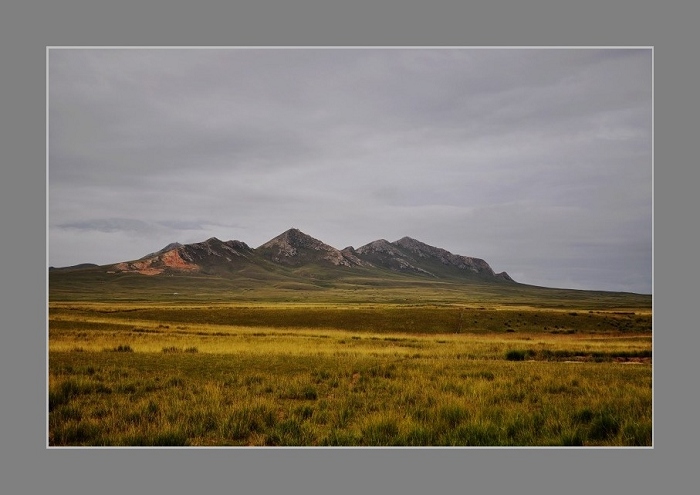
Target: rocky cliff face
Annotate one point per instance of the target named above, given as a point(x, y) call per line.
point(424, 251)
point(383, 253)
point(216, 248)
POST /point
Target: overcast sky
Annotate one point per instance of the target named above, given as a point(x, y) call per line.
point(537, 160)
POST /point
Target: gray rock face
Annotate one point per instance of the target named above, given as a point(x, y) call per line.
point(214, 247)
point(384, 253)
point(293, 247)
point(426, 251)
point(380, 246)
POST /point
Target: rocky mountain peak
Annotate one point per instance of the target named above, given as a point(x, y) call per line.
point(379, 246)
point(417, 247)
point(294, 247)
point(292, 240)
point(187, 257)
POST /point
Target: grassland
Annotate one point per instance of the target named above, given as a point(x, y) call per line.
point(355, 367)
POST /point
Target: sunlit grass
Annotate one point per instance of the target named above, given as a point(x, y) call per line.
point(260, 399)
point(119, 380)
point(149, 337)
point(376, 318)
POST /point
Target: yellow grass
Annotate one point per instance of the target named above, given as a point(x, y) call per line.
point(216, 384)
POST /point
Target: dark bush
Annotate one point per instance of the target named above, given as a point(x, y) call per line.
point(515, 355)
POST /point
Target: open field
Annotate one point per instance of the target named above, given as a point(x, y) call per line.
point(313, 286)
point(349, 374)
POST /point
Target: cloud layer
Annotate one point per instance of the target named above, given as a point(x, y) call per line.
point(537, 160)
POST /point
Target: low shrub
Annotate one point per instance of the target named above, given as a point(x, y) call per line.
point(122, 348)
point(309, 393)
point(515, 355)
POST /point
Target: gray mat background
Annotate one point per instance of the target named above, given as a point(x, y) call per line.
point(28, 27)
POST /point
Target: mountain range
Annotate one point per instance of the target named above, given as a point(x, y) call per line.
point(294, 254)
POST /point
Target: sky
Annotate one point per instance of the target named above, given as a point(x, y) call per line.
point(537, 160)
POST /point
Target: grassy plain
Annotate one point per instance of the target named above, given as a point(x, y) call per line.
point(349, 368)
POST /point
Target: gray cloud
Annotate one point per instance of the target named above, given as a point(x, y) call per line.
point(109, 225)
point(538, 160)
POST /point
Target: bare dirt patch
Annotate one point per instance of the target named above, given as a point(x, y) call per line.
point(633, 360)
point(172, 259)
point(155, 266)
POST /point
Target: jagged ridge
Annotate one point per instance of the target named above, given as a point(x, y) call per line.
point(294, 249)
point(383, 253)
